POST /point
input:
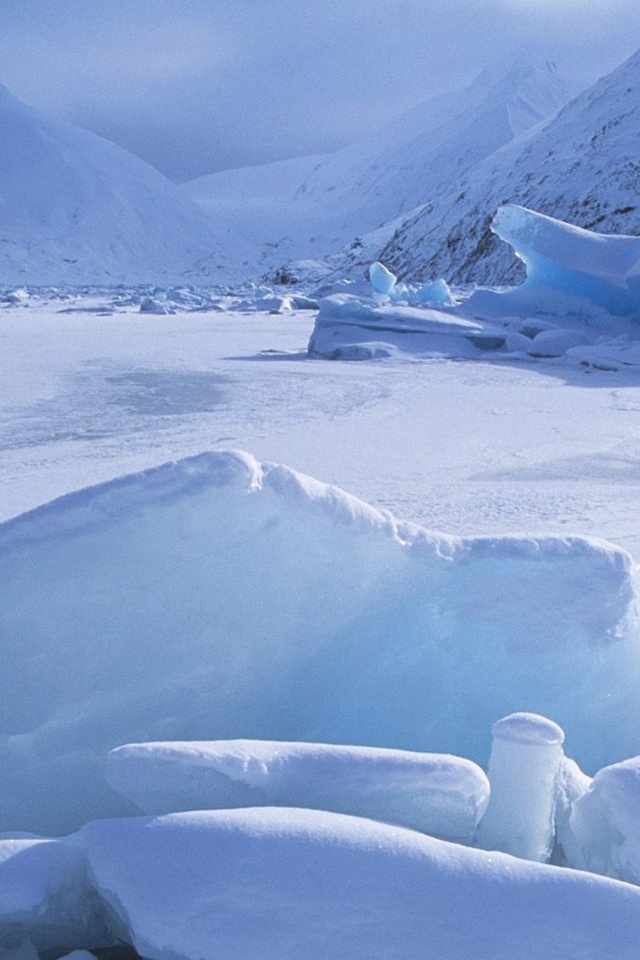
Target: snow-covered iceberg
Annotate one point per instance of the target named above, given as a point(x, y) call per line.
point(217, 597)
point(282, 884)
point(574, 276)
point(437, 794)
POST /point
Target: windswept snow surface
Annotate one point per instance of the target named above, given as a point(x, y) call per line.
point(437, 794)
point(284, 884)
point(220, 597)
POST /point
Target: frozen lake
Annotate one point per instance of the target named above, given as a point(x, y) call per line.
point(464, 447)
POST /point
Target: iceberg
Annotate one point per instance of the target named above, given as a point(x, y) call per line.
point(440, 795)
point(574, 276)
point(220, 598)
point(381, 279)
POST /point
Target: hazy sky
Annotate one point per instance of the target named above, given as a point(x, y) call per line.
point(198, 85)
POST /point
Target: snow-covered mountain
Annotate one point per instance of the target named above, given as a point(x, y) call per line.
point(314, 206)
point(408, 162)
point(582, 167)
point(75, 208)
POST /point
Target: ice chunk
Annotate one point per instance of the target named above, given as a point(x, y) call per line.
point(526, 759)
point(605, 823)
point(574, 276)
point(572, 784)
point(283, 884)
point(555, 343)
point(155, 305)
point(218, 597)
point(441, 795)
point(346, 322)
point(381, 279)
point(434, 292)
point(45, 898)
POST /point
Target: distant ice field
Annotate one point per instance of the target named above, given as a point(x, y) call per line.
point(465, 447)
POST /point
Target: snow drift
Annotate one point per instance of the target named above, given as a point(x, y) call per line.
point(220, 598)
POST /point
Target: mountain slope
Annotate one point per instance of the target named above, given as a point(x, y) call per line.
point(582, 167)
point(406, 163)
point(75, 208)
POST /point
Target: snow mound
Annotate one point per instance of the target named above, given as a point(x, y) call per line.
point(283, 884)
point(45, 898)
point(217, 597)
point(574, 276)
point(440, 795)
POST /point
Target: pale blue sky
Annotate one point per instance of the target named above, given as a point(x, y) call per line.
point(198, 85)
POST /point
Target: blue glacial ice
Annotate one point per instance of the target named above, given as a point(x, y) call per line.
point(220, 598)
point(575, 277)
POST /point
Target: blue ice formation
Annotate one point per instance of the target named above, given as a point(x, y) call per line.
point(574, 276)
point(221, 598)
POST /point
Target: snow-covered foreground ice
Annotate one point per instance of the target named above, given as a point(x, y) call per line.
point(286, 884)
point(45, 896)
point(217, 597)
point(443, 796)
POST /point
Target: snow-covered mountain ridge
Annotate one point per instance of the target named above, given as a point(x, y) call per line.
point(314, 206)
point(582, 167)
point(75, 208)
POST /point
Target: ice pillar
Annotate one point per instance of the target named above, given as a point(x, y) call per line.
point(526, 757)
